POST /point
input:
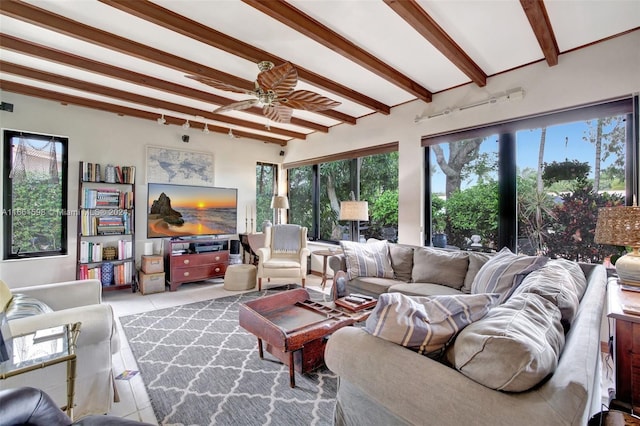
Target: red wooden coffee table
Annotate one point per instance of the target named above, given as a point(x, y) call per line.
point(293, 327)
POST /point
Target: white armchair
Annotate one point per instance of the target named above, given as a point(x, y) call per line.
point(284, 254)
point(73, 301)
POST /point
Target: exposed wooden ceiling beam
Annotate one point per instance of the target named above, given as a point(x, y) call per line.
point(139, 99)
point(23, 89)
point(42, 18)
point(166, 18)
point(58, 56)
point(416, 16)
point(292, 17)
point(541, 26)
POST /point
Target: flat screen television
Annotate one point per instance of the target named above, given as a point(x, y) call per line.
point(188, 210)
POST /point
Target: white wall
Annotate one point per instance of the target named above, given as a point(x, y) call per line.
point(604, 71)
point(107, 138)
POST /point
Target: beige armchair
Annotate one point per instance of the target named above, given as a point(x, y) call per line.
point(73, 301)
point(284, 254)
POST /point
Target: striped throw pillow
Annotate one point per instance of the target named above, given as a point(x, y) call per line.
point(426, 324)
point(504, 272)
point(25, 306)
point(367, 260)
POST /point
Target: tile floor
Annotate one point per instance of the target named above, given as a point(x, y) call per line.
point(134, 402)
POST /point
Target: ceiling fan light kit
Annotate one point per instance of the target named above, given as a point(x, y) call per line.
point(274, 92)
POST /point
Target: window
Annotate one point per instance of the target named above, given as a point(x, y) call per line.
point(317, 187)
point(34, 195)
point(266, 188)
point(533, 185)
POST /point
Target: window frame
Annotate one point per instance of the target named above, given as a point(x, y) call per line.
point(507, 131)
point(355, 157)
point(7, 196)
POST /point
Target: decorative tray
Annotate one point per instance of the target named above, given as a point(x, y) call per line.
point(355, 307)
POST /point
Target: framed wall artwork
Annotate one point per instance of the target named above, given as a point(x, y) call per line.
point(177, 166)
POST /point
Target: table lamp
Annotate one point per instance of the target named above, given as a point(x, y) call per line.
point(355, 211)
point(279, 202)
point(620, 226)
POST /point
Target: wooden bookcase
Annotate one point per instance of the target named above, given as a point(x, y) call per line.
point(106, 218)
point(194, 259)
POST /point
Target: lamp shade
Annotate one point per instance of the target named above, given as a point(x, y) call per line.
point(354, 210)
point(620, 226)
point(279, 202)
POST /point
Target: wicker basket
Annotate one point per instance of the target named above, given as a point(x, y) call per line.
point(109, 253)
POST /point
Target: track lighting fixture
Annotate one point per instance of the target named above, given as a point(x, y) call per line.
point(206, 129)
point(161, 120)
point(186, 125)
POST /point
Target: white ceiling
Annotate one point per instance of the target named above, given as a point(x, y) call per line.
point(495, 34)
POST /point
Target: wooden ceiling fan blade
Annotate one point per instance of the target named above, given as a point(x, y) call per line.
point(309, 101)
point(281, 79)
point(236, 106)
point(221, 85)
point(277, 113)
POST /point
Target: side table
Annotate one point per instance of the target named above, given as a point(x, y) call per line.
point(325, 255)
point(626, 339)
point(42, 349)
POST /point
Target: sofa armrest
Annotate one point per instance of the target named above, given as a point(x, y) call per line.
point(98, 324)
point(337, 262)
point(65, 295)
point(421, 390)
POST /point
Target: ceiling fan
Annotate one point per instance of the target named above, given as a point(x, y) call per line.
point(274, 92)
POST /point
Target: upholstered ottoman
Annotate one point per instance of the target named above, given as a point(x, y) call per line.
point(240, 277)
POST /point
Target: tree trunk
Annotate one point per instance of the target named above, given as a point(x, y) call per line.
point(598, 143)
point(460, 154)
point(543, 138)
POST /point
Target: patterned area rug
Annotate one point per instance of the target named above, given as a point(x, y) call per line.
point(201, 368)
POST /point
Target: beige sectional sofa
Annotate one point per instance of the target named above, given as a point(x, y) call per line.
point(418, 271)
point(491, 372)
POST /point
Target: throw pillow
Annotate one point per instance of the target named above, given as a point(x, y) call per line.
point(476, 261)
point(401, 261)
point(367, 260)
point(25, 306)
point(5, 295)
point(440, 267)
point(513, 348)
point(555, 284)
point(504, 272)
point(426, 324)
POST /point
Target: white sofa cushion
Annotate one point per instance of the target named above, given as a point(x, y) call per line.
point(514, 347)
point(426, 324)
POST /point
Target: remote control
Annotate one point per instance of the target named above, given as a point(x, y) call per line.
point(354, 299)
point(361, 296)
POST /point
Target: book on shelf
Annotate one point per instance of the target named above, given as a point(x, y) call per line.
point(106, 198)
point(91, 172)
point(90, 252)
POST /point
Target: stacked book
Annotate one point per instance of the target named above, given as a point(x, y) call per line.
point(124, 174)
point(92, 223)
point(122, 273)
point(90, 252)
point(87, 273)
point(106, 198)
point(110, 225)
point(125, 249)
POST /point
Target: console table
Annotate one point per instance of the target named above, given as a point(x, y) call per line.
point(189, 260)
point(626, 339)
